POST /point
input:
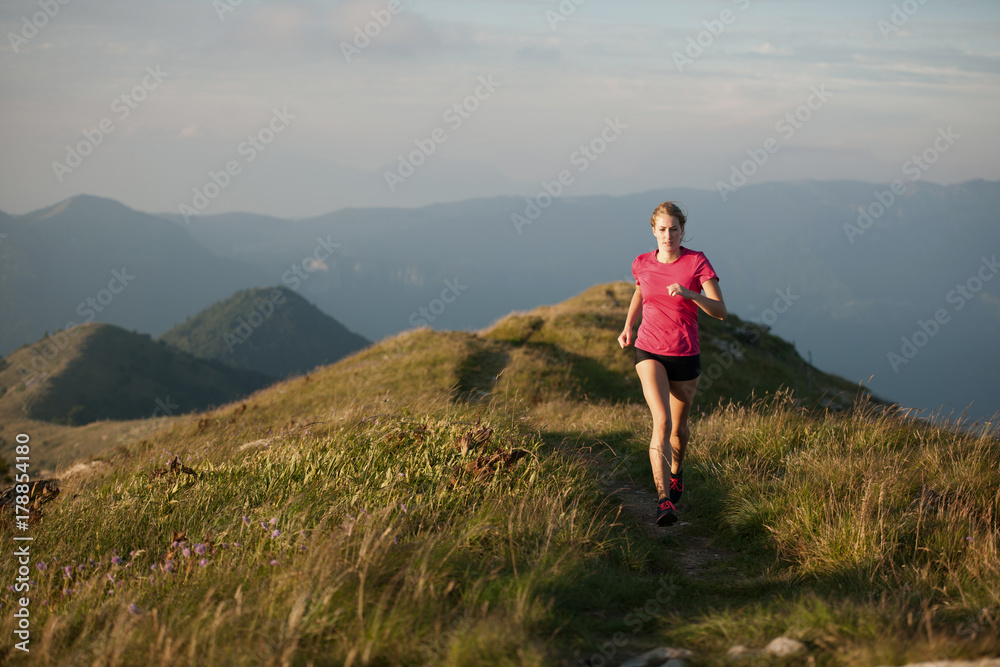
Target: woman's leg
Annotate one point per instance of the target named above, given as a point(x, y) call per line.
point(681, 398)
point(657, 389)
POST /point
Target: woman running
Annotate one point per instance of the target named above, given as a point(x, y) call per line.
point(668, 292)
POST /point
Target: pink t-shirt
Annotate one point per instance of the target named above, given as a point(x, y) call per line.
point(670, 323)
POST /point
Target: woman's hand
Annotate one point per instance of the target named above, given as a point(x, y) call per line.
point(625, 337)
point(678, 290)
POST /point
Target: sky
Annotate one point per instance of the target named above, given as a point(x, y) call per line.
point(300, 108)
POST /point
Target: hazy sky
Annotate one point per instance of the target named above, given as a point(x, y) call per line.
point(882, 77)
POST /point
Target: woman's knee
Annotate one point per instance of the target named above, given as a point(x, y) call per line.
point(661, 424)
point(682, 431)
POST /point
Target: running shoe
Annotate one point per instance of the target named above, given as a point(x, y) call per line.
point(666, 515)
point(676, 486)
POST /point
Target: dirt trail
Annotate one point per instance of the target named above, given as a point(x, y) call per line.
point(640, 503)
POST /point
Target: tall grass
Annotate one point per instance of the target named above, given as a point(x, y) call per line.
point(365, 541)
point(887, 527)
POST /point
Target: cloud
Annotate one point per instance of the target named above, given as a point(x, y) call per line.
point(308, 32)
point(769, 49)
point(189, 132)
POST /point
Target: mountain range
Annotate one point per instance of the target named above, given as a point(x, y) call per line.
point(890, 287)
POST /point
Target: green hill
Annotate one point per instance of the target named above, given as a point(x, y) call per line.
point(269, 330)
point(335, 518)
point(99, 371)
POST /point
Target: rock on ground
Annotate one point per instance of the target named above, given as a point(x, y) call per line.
point(785, 647)
point(673, 656)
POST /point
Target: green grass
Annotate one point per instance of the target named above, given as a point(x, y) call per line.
point(871, 537)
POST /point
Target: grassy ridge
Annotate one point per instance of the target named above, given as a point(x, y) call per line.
point(370, 539)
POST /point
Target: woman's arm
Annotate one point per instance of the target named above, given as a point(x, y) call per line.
point(634, 308)
point(711, 301)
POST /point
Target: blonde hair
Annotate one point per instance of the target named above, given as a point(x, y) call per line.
point(671, 209)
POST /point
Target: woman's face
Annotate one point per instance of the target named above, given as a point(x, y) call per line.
point(668, 234)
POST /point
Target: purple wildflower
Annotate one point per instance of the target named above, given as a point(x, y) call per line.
point(153, 567)
point(68, 572)
point(274, 562)
point(41, 565)
point(134, 608)
point(199, 549)
point(186, 552)
point(403, 507)
point(274, 521)
point(246, 520)
point(117, 561)
point(275, 533)
point(203, 562)
point(169, 566)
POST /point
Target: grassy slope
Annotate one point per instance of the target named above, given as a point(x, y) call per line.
point(847, 528)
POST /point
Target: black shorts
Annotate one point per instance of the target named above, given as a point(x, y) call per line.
point(678, 369)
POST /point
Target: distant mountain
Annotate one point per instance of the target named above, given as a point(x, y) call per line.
point(269, 330)
point(90, 259)
point(859, 265)
point(99, 371)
